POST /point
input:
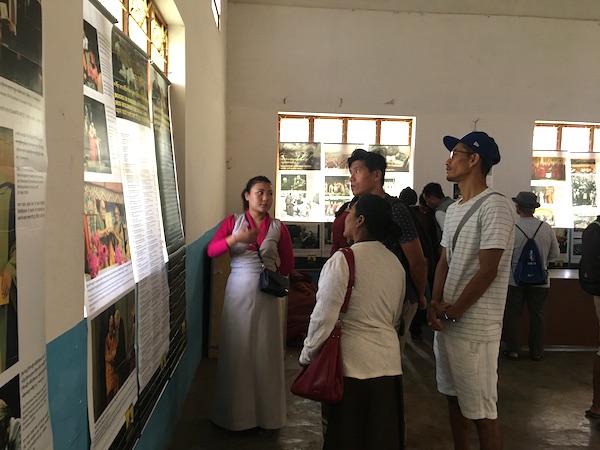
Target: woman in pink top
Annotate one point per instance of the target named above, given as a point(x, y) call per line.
point(250, 383)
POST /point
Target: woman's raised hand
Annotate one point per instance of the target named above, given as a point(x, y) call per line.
point(246, 235)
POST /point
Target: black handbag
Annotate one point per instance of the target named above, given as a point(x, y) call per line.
point(271, 282)
point(274, 283)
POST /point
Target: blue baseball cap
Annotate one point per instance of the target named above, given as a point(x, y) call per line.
point(479, 142)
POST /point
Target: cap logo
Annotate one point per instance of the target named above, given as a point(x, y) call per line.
point(476, 144)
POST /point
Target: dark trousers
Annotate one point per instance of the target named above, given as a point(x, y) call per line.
point(534, 298)
point(370, 416)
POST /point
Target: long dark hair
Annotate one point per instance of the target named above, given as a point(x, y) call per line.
point(378, 216)
point(251, 182)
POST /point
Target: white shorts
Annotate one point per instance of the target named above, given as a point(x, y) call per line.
point(468, 370)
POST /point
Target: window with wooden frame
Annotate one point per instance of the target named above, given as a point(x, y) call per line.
point(571, 137)
point(312, 170)
point(564, 175)
point(142, 22)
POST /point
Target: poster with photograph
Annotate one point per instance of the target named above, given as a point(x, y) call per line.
point(583, 182)
point(396, 156)
point(130, 77)
point(23, 174)
point(112, 370)
point(551, 182)
point(305, 236)
point(548, 168)
point(92, 67)
point(299, 156)
point(293, 182)
point(544, 194)
point(336, 155)
point(21, 39)
point(96, 145)
point(108, 270)
point(337, 186)
point(332, 206)
point(300, 196)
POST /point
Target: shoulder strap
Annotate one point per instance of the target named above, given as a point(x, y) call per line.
point(468, 215)
point(536, 230)
point(349, 254)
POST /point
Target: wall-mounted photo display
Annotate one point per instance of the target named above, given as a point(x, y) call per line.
point(551, 182)
point(299, 156)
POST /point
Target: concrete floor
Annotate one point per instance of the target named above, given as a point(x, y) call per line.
point(541, 407)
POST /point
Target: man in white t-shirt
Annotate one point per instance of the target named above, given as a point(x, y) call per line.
point(469, 292)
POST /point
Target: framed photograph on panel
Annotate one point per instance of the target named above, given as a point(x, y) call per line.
point(306, 238)
point(300, 156)
point(396, 156)
point(336, 155)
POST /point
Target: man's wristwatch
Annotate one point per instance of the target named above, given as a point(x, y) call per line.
point(453, 320)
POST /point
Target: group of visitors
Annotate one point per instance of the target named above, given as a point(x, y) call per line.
point(398, 247)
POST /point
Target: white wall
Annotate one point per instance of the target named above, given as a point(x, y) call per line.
point(448, 70)
point(204, 162)
point(63, 274)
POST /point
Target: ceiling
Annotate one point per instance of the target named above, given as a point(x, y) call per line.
point(560, 9)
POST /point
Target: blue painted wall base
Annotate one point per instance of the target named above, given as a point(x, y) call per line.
point(67, 369)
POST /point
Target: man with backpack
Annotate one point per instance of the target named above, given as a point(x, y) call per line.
point(589, 278)
point(535, 246)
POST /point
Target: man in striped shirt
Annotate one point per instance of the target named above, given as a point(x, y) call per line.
point(469, 292)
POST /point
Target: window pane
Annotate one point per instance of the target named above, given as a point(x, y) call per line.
point(158, 33)
point(137, 35)
point(597, 140)
point(575, 139)
point(158, 59)
point(544, 138)
point(361, 132)
point(139, 11)
point(293, 130)
point(115, 7)
point(394, 133)
point(328, 130)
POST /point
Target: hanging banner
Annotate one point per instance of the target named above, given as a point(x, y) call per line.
point(140, 176)
point(171, 213)
point(109, 281)
point(23, 173)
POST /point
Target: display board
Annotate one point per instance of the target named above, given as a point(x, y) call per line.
point(313, 180)
point(566, 185)
point(134, 284)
